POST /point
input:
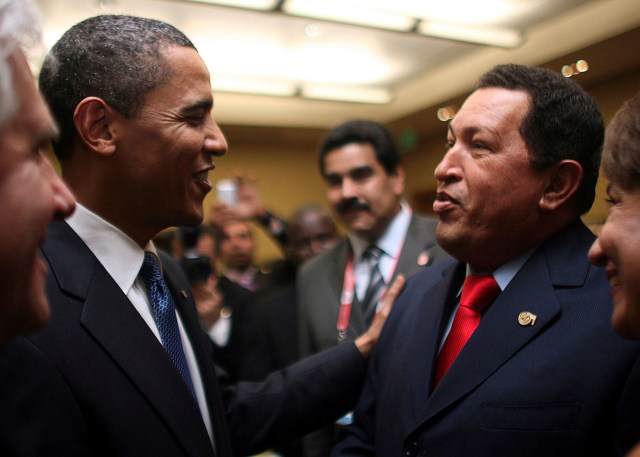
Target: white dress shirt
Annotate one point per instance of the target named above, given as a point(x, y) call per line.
point(122, 258)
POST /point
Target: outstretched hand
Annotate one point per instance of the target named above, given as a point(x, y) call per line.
point(368, 340)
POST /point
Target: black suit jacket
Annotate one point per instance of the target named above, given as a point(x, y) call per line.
point(96, 381)
point(273, 335)
point(240, 303)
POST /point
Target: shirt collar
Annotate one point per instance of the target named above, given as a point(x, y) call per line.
point(118, 253)
point(505, 273)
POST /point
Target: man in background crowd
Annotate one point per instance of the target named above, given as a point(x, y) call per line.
point(339, 290)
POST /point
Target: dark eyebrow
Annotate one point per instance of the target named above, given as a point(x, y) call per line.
point(202, 105)
point(466, 130)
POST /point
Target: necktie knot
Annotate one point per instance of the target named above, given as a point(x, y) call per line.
point(478, 291)
point(150, 270)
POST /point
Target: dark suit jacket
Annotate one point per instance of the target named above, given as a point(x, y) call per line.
point(95, 381)
point(272, 344)
point(273, 336)
point(565, 386)
point(320, 285)
point(240, 302)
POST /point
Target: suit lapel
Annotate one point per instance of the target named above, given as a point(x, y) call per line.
point(499, 335)
point(416, 243)
point(560, 262)
point(202, 348)
point(117, 327)
point(339, 261)
point(428, 323)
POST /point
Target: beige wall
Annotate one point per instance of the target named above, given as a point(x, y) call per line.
point(284, 168)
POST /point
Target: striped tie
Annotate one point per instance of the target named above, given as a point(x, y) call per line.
point(376, 282)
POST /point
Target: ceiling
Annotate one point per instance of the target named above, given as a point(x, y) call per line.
point(414, 71)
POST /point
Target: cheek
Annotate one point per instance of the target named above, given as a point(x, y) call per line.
point(333, 195)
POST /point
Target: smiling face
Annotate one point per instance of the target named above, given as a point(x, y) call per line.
point(363, 195)
point(488, 192)
point(31, 195)
point(618, 250)
point(166, 149)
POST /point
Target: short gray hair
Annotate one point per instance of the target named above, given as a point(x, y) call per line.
point(19, 26)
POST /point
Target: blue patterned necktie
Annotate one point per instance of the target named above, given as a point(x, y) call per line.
point(376, 282)
point(165, 313)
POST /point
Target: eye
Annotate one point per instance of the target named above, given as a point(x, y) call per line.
point(196, 119)
point(333, 180)
point(361, 174)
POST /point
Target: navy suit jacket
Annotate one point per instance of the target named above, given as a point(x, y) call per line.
point(96, 381)
point(564, 386)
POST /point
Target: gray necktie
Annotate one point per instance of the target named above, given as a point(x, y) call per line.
point(376, 282)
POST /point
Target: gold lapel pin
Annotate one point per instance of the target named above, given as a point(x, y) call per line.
point(526, 318)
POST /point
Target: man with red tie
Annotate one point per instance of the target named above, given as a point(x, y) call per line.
point(518, 359)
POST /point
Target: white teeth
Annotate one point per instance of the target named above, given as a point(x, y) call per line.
point(613, 281)
point(202, 175)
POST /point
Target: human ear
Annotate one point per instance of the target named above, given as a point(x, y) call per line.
point(92, 118)
point(564, 180)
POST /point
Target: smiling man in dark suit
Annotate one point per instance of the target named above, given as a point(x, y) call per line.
point(123, 368)
point(508, 350)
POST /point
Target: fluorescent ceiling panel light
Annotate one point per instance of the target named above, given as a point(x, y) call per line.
point(262, 5)
point(478, 12)
point(505, 38)
point(346, 94)
point(340, 11)
point(257, 86)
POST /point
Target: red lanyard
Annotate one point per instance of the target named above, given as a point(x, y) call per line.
point(348, 288)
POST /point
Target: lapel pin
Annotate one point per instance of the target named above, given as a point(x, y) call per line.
point(226, 312)
point(526, 318)
point(423, 258)
point(184, 294)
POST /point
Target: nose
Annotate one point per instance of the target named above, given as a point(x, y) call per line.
point(447, 170)
point(215, 143)
point(348, 189)
point(64, 203)
point(596, 254)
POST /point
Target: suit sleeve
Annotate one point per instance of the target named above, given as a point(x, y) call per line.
point(357, 438)
point(294, 401)
point(38, 413)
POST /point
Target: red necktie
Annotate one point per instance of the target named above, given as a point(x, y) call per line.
point(477, 292)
